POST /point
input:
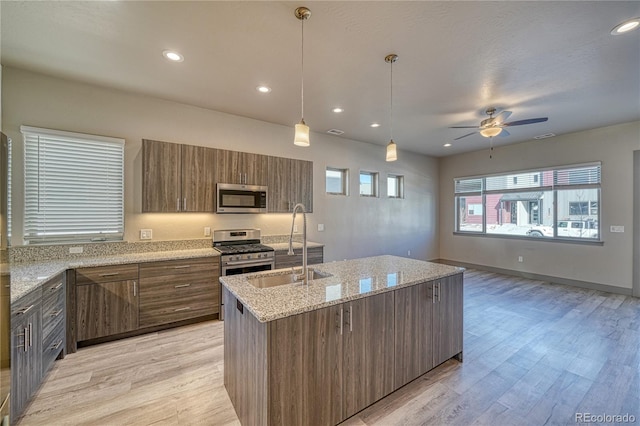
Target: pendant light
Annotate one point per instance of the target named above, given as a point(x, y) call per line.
point(301, 137)
point(392, 153)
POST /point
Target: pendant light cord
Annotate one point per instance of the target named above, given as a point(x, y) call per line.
point(391, 98)
point(302, 69)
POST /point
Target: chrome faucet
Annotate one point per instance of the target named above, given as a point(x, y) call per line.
point(300, 206)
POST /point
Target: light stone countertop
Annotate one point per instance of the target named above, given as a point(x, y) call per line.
point(28, 276)
point(350, 280)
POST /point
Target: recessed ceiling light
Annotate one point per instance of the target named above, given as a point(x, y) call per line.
point(337, 110)
point(173, 56)
point(263, 89)
point(375, 125)
point(336, 132)
point(446, 145)
point(626, 26)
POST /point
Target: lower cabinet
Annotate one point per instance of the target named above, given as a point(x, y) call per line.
point(315, 255)
point(447, 319)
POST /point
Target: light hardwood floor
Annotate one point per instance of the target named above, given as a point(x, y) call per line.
point(534, 354)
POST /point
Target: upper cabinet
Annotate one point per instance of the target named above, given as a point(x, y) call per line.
point(177, 178)
point(290, 182)
point(241, 167)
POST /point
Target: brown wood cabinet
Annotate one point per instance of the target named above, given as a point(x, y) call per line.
point(290, 182)
point(106, 301)
point(315, 255)
point(447, 319)
point(241, 167)
point(177, 290)
point(177, 178)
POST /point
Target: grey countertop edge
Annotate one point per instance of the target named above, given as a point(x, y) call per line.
point(296, 245)
point(28, 276)
point(245, 292)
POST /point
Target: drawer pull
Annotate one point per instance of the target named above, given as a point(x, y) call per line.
point(56, 287)
point(182, 286)
point(25, 310)
point(110, 274)
point(182, 267)
point(186, 308)
point(56, 345)
point(56, 313)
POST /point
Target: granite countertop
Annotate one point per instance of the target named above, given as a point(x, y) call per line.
point(350, 280)
point(28, 276)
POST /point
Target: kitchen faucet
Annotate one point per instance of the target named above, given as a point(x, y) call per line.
point(304, 239)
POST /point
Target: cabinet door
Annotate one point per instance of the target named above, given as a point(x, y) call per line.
point(105, 309)
point(413, 329)
point(256, 169)
point(302, 183)
point(228, 166)
point(368, 351)
point(198, 179)
point(279, 183)
point(447, 318)
point(283, 260)
point(161, 169)
point(26, 359)
point(305, 374)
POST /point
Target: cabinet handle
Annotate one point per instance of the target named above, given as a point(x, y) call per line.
point(182, 286)
point(240, 177)
point(439, 291)
point(186, 308)
point(25, 344)
point(177, 204)
point(56, 313)
point(350, 317)
point(184, 204)
point(25, 310)
point(56, 346)
point(135, 288)
point(30, 334)
point(341, 320)
point(245, 178)
point(110, 274)
point(433, 293)
point(182, 267)
point(56, 287)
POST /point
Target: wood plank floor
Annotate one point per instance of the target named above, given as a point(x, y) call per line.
point(534, 354)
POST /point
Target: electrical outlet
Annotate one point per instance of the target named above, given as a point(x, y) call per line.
point(295, 228)
point(75, 250)
point(520, 259)
point(409, 253)
point(320, 227)
point(146, 234)
point(207, 231)
point(617, 228)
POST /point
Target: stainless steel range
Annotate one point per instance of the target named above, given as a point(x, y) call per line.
point(241, 253)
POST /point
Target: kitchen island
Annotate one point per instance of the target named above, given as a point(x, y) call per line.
point(318, 354)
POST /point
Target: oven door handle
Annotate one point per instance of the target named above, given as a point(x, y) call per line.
point(249, 262)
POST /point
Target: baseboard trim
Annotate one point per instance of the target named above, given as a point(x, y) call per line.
point(541, 277)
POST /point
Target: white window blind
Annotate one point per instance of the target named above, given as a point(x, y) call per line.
point(74, 187)
point(9, 188)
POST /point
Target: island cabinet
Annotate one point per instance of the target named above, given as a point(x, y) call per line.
point(106, 300)
point(315, 255)
point(290, 182)
point(241, 168)
point(447, 319)
point(177, 290)
point(177, 178)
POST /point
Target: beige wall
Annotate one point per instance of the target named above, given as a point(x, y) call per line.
point(609, 264)
point(355, 226)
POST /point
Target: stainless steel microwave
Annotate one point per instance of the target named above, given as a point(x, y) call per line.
point(235, 198)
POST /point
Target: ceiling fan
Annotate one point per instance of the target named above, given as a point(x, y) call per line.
point(495, 126)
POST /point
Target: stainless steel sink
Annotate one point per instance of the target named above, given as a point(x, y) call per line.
point(287, 277)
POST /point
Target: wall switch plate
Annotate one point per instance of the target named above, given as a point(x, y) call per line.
point(320, 227)
point(75, 250)
point(207, 231)
point(146, 234)
point(520, 259)
point(617, 228)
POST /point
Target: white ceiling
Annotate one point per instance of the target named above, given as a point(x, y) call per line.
point(552, 59)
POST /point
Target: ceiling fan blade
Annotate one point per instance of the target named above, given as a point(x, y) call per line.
point(468, 134)
point(504, 133)
point(464, 127)
point(528, 121)
point(501, 118)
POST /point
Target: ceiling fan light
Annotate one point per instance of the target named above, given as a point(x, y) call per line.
point(490, 132)
point(301, 137)
point(392, 153)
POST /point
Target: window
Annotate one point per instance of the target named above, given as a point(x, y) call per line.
point(395, 186)
point(336, 181)
point(368, 184)
point(74, 187)
point(553, 203)
point(9, 190)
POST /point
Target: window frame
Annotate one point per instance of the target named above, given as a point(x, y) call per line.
point(374, 184)
point(90, 179)
point(563, 178)
point(344, 176)
point(399, 185)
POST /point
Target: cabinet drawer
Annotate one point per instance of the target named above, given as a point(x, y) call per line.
point(52, 313)
point(53, 288)
point(104, 274)
point(26, 304)
point(166, 291)
point(203, 265)
point(164, 312)
point(51, 348)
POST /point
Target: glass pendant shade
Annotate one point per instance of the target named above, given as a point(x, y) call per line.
point(490, 132)
point(392, 154)
point(301, 137)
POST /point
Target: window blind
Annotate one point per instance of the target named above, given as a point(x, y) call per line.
point(9, 187)
point(74, 187)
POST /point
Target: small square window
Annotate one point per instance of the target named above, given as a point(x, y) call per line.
point(336, 181)
point(368, 184)
point(395, 186)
